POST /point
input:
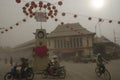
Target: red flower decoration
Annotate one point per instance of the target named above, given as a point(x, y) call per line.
point(18, 1)
point(60, 3)
point(41, 50)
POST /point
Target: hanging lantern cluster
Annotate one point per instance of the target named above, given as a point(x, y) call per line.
point(30, 8)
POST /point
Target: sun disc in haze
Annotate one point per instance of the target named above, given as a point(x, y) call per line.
point(97, 3)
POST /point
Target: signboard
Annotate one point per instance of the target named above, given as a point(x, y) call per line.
point(40, 16)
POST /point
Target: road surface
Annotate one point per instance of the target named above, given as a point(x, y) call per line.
point(76, 71)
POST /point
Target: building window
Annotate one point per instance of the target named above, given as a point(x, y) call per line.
point(74, 42)
point(55, 44)
point(80, 43)
point(87, 41)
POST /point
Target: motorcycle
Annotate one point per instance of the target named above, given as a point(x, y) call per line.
point(60, 72)
point(15, 73)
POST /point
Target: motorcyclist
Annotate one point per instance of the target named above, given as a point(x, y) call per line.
point(23, 65)
point(53, 65)
point(100, 60)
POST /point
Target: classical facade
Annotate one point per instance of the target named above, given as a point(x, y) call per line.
point(65, 41)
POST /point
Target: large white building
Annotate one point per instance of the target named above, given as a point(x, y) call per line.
point(63, 40)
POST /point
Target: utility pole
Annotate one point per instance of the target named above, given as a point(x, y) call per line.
point(114, 36)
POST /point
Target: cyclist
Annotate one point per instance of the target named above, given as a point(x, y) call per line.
point(100, 63)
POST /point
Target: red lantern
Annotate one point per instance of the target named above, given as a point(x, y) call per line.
point(62, 23)
point(18, 1)
point(27, 4)
point(49, 8)
point(33, 3)
point(60, 3)
point(24, 20)
point(54, 7)
point(45, 6)
point(110, 21)
point(63, 14)
point(2, 32)
point(26, 14)
point(56, 19)
point(100, 20)
point(52, 16)
point(75, 16)
point(89, 18)
point(17, 24)
point(47, 17)
point(35, 6)
point(118, 22)
point(6, 30)
point(31, 16)
point(48, 4)
point(40, 4)
point(55, 14)
point(11, 27)
point(56, 11)
point(24, 8)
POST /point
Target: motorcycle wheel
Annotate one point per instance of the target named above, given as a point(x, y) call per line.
point(62, 74)
point(8, 76)
point(44, 74)
point(30, 75)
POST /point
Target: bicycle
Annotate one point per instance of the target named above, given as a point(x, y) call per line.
point(105, 73)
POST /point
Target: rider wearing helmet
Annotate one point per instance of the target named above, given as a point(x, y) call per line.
point(100, 62)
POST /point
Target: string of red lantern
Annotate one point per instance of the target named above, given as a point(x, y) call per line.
point(89, 18)
point(11, 27)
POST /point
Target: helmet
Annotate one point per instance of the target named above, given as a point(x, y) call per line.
point(54, 57)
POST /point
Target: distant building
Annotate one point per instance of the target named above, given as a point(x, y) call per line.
point(65, 41)
point(106, 47)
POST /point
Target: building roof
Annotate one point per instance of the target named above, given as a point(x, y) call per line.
point(102, 39)
point(68, 30)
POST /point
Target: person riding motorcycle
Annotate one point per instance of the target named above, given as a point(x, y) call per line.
point(100, 63)
point(23, 65)
point(53, 65)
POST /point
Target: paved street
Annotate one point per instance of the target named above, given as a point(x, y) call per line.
point(77, 71)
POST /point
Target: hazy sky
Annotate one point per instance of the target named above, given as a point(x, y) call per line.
point(11, 12)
